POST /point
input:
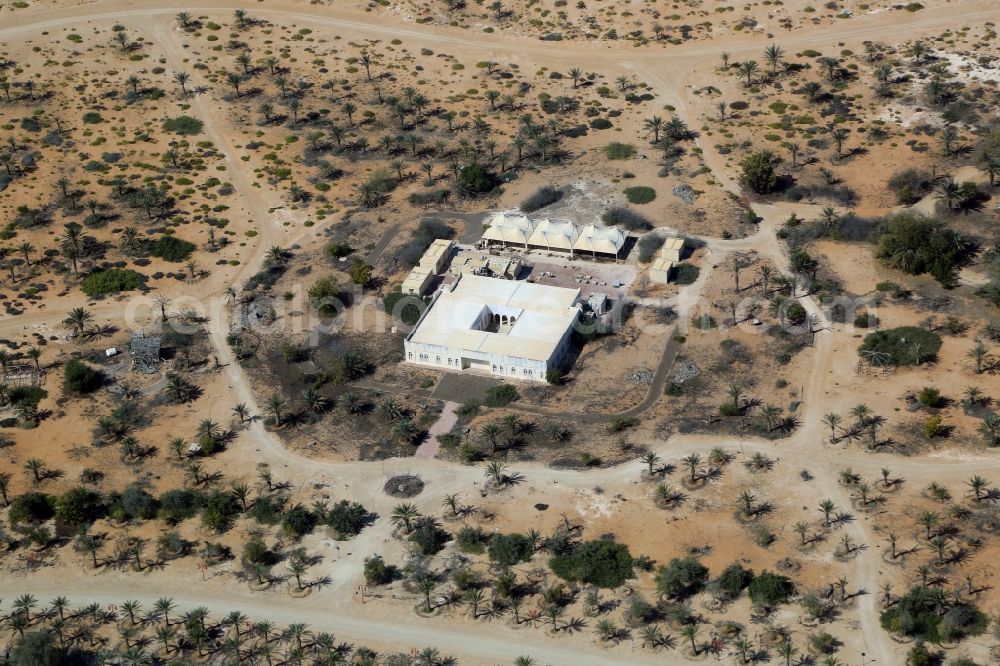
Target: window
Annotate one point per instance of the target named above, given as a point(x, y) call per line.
point(437, 359)
point(409, 355)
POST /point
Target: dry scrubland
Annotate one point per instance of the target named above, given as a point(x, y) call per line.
point(771, 495)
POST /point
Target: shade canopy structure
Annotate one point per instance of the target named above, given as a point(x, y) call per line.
point(554, 235)
point(509, 228)
point(596, 239)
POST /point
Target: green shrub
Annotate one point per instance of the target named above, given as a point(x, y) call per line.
point(686, 273)
point(917, 614)
point(501, 395)
point(628, 219)
point(327, 296)
point(377, 572)
point(347, 518)
point(404, 307)
point(907, 345)
point(758, 174)
point(540, 198)
point(32, 507)
point(681, 578)
point(298, 522)
point(476, 179)
point(183, 125)
point(916, 245)
point(92, 118)
point(931, 396)
point(111, 281)
point(81, 378)
point(510, 549)
point(171, 248)
point(770, 589)
point(619, 151)
point(602, 563)
point(429, 538)
point(640, 194)
point(471, 540)
point(732, 581)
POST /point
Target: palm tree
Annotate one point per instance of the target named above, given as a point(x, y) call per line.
point(182, 79)
point(948, 190)
point(163, 607)
point(184, 18)
point(692, 462)
point(131, 607)
point(773, 54)
point(89, 544)
point(770, 413)
point(978, 484)
point(165, 635)
point(234, 79)
point(787, 651)
point(690, 632)
point(4, 487)
point(576, 74)
point(832, 421)
point(989, 428)
point(404, 514)
point(23, 605)
point(812, 90)
point(979, 355)
point(451, 501)
point(991, 167)
point(474, 596)
point(839, 135)
point(78, 319)
point(366, 62)
point(426, 585)
point(496, 472)
point(650, 459)
point(36, 468)
point(928, 519)
point(748, 501)
point(801, 529)
point(654, 125)
point(297, 567)
point(861, 413)
point(491, 431)
point(827, 507)
point(276, 405)
point(748, 69)
point(242, 411)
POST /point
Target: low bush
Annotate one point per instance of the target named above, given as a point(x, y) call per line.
point(183, 125)
point(640, 194)
point(648, 246)
point(111, 281)
point(907, 345)
point(81, 378)
point(628, 219)
point(619, 151)
point(540, 198)
point(171, 248)
point(501, 396)
point(602, 563)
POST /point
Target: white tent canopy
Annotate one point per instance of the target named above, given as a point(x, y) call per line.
point(508, 227)
point(554, 234)
point(600, 240)
point(513, 227)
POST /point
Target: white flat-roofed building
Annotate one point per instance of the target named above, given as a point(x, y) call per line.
point(672, 249)
point(437, 255)
point(506, 328)
point(417, 281)
point(660, 270)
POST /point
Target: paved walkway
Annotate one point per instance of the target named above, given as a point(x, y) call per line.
point(443, 426)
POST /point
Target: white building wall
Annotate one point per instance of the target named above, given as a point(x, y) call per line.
point(458, 360)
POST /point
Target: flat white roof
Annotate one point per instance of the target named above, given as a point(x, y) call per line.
point(542, 314)
point(673, 243)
